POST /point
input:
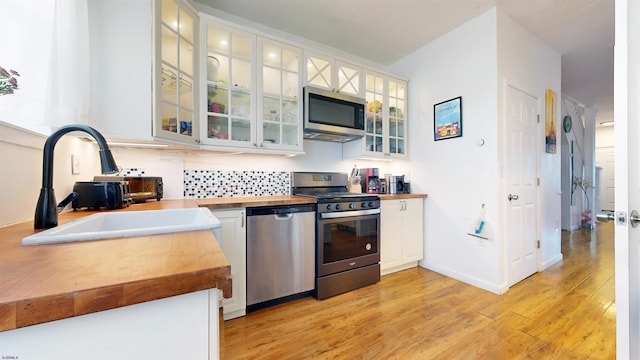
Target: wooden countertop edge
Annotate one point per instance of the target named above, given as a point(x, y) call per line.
point(253, 201)
point(402, 196)
point(28, 312)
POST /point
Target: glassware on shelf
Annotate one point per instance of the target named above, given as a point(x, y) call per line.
point(212, 68)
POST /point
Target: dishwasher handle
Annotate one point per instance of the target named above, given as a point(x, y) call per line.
point(284, 216)
point(281, 210)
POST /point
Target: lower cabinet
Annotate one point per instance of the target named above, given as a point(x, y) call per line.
point(177, 327)
point(401, 234)
point(233, 243)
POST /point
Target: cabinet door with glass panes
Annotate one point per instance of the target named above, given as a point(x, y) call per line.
point(385, 123)
point(397, 121)
point(374, 116)
point(228, 116)
point(327, 73)
point(176, 76)
point(279, 106)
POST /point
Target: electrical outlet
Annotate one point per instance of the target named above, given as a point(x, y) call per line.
point(75, 165)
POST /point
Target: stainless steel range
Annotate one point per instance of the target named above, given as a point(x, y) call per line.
point(347, 232)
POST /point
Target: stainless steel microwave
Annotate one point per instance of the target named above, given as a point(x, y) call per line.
point(332, 116)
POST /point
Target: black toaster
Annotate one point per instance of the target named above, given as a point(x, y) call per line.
point(101, 194)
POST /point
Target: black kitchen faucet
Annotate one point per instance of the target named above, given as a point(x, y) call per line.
point(46, 210)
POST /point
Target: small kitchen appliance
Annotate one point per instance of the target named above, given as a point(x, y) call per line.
point(371, 183)
point(347, 232)
point(101, 194)
point(332, 116)
point(383, 186)
point(142, 188)
point(395, 184)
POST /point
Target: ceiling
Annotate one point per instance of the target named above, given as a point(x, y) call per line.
point(384, 31)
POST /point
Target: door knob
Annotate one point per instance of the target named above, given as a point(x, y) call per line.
point(605, 216)
point(634, 218)
point(513, 197)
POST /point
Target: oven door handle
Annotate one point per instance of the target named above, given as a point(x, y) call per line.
point(344, 214)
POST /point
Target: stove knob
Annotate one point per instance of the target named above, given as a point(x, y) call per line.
point(370, 204)
point(364, 205)
point(338, 206)
point(329, 207)
point(352, 206)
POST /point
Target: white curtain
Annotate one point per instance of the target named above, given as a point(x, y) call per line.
point(25, 35)
point(68, 90)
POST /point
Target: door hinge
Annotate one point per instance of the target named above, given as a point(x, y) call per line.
point(538, 181)
point(538, 244)
point(538, 116)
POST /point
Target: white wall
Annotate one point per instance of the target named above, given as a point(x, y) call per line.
point(530, 65)
point(21, 175)
point(604, 137)
point(472, 61)
point(458, 175)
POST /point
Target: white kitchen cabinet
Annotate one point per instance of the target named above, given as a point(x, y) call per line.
point(143, 70)
point(229, 85)
point(177, 327)
point(401, 235)
point(233, 243)
point(386, 120)
point(120, 76)
point(328, 73)
point(280, 103)
point(175, 75)
point(250, 99)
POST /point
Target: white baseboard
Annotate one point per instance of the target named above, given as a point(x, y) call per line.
point(550, 262)
point(479, 283)
point(398, 268)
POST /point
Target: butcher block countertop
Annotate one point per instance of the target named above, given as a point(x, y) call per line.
point(50, 282)
point(254, 201)
point(402, 196)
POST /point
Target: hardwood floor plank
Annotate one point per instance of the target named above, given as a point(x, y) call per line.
point(564, 312)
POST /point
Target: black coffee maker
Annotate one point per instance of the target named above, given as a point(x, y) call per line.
point(370, 180)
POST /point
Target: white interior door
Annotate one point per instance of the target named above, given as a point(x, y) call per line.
point(627, 177)
point(605, 159)
point(521, 184)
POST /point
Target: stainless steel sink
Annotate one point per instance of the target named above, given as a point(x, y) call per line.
point(109, 225)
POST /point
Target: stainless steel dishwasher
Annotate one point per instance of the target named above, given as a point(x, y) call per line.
point(280, 254)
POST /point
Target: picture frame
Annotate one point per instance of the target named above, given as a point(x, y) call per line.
point(447, 119)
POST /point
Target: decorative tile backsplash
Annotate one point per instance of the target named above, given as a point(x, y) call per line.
point(200, 184)
point(131, 172)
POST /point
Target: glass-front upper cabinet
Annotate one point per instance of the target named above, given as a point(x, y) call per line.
point(386, 122)
point(327, 73)
point(373, 127)
point(397, 117)
point(176, 74)
point(280, 106)
point(230, 91)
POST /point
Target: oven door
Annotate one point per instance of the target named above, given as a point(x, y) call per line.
point(347, 240)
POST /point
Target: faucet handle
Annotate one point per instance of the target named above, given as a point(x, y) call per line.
point(62, 204)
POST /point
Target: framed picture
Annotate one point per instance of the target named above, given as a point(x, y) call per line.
point(447, 119)
point(550, 124)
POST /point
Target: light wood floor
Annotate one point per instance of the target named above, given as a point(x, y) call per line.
point(566, 312)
